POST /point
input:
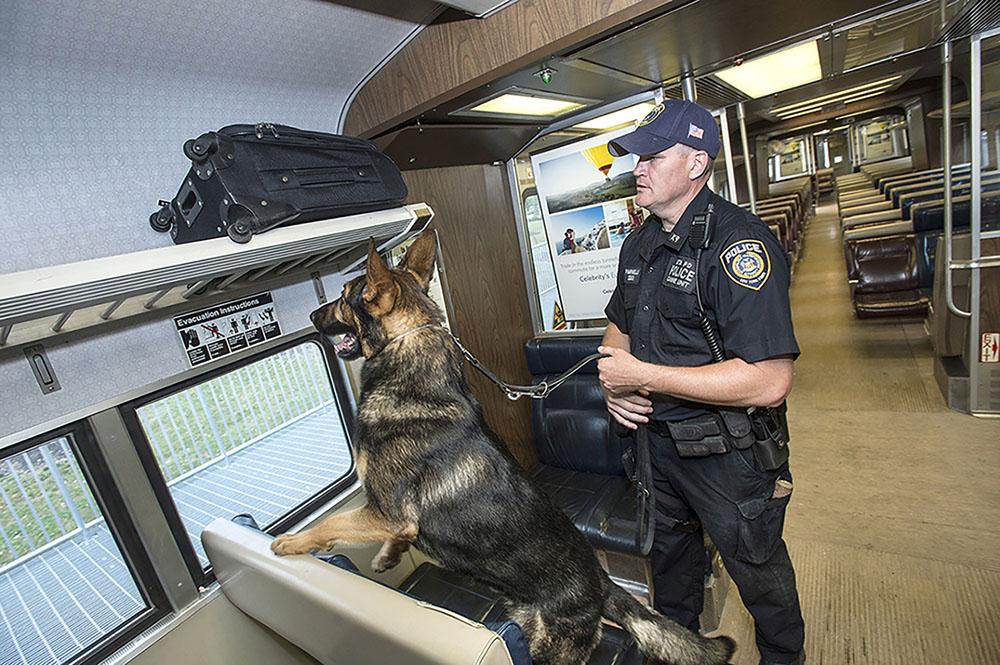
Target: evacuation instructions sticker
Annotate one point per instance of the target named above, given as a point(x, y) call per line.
point(227, 328)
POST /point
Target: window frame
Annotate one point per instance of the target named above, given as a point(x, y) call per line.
point(83, 444)
point(129, 412)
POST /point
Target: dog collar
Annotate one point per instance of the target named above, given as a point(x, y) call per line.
point(410, 332)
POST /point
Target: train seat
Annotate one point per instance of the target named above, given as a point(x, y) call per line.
point(579, 452)
point(318, 603)
point(460, 594)
point(885, 280)
point(339, 617)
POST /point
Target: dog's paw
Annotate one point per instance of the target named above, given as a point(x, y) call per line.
point(383, 562)
point(290, 544)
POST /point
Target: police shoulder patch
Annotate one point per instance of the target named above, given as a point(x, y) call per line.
point(747, 263)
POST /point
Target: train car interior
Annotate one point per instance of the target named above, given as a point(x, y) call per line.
point(168, 407)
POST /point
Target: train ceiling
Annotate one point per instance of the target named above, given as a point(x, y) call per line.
point(863, 49)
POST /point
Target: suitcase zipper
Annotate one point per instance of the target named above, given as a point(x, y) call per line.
point(291, 136)
point(261, 127)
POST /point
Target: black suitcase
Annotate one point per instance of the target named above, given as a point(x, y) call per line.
point(246, 179)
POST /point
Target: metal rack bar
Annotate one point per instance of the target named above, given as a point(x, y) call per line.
point(152, 301)
point(61, 321)
point(106, 314)
point(193, 290)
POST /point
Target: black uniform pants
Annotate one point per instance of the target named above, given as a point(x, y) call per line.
point(733, 501)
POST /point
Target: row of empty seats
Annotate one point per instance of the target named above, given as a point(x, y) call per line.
point(786, 211)
point(893, 223)
point(825, 182)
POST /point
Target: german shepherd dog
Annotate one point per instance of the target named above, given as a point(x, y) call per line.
point(437, 478)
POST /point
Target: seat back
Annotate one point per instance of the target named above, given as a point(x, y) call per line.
point(571, 426)
point(339, 617)
point(859, 252)
point(926, 256)
point(885, 265)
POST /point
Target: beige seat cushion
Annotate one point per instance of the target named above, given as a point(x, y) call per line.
point(891, 215)
point(861, 209)
point(336, 616)
point(878, 230)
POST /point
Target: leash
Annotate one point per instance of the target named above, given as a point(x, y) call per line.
point(514, 392)
point(645, 499)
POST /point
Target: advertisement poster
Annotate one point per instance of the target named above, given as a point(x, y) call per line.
point(227, 328)
point(587, 199)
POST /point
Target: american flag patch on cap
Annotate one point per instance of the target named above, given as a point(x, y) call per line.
point(695, 131)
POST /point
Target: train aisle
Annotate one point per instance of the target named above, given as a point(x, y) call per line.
point(894, 526)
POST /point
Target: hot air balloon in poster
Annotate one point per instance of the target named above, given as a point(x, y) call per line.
point(600, 158)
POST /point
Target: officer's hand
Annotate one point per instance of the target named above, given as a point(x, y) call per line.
point(621, 373)
point(629, 410)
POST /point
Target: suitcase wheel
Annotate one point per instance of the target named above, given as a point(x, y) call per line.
point(200, 149)
point(162, 220)
point(240, 232)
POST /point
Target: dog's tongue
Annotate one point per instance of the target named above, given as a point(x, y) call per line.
point(346, 343)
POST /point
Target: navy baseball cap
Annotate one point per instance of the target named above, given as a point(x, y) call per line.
point(670, 122)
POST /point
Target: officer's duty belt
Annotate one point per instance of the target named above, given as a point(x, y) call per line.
point(708, 434)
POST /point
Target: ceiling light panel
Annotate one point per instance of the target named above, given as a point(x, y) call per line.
point(788, 68)
point(617, 118)
point(837, 102)
point(778, 110)
point(843, 100)
point(530, 105)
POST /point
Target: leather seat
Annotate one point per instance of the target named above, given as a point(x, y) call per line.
point(907, 303)
point(444, 588)
point(475, 601)
point(884, 273)
point(579, 453)
point(603, 508)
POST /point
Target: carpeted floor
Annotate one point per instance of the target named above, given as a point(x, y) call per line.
point(894, 526)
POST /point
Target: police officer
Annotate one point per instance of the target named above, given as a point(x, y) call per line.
point(661, 373)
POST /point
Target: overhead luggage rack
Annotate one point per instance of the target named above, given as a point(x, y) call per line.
point(44, 302)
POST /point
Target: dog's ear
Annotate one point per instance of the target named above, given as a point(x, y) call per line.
point(380, 288)
point(419, 260)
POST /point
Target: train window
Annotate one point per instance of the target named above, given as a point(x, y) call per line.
point(266, 438)
point(66, 591)
point(884, 137)
point(789, 158)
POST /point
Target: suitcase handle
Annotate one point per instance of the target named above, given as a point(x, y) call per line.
point(311, 178)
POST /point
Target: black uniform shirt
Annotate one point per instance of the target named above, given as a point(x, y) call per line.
point(743, 279)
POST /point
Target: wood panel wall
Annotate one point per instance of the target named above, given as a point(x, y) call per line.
point(448, 59)
point(474, 217)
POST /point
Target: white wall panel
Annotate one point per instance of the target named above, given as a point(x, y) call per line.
point(99, 365)
point(96, 99)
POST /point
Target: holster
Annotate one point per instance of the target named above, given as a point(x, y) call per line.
point(770, 433)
